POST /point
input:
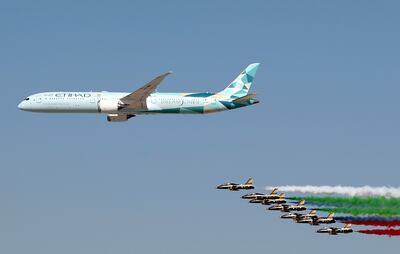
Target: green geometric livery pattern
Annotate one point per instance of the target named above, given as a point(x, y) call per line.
point(211, 102)
point(241, 85)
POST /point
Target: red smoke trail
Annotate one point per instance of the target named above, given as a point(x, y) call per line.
point(389, 224)
point(388, 232)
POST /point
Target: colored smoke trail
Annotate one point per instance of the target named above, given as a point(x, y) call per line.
point(389, 232)
point(353, 201)
point(342, 190)
point(363, 210)
point(370, 220)
point(389, 224)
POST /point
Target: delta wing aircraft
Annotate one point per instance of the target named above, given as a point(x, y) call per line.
point(120, 107)
point(249, 184)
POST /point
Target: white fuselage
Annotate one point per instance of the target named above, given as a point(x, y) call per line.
point(105, 102)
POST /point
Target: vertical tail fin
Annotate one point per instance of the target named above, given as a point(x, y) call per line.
point(330, 215)
point(302, 202)
point(313, 212)
point(241, 85)
point(274, 191)
point(250, 181)
point(347, 226)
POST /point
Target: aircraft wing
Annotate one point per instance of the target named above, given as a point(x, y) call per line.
point(137, 99)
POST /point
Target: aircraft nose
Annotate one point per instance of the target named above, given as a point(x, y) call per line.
point(22, 105)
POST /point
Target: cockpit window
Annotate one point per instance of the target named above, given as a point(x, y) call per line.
point(27, 99)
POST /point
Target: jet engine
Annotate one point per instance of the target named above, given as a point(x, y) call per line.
point(109, 106)
point(118, 117)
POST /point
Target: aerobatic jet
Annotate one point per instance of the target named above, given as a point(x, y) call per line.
point(254, 195)
point(249, 184)
point(287, 208)
point(297, 216)
point(334, 231)
point(119, 107)
point(324, 220)
point(261, 196)
point(307, 218)
point(280, 200)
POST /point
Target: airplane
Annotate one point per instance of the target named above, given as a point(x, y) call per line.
point(324, 220)
point(291, 215)
point(119, 107)
point(260, 196)
point(254, 195)
point(280, 200)
point(334, 231)
point(249, 184)
point(294, 216)
point(287, 208)
point(307, 218)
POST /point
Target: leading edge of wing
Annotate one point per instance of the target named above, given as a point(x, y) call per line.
point(142, 93)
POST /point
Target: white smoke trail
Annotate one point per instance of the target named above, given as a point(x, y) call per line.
point(342, 190)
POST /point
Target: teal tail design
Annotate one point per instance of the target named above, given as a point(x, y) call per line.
point(241, 85)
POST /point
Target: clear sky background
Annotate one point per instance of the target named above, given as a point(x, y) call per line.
point(329, 114)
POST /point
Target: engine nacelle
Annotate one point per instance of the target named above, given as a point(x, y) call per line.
point(118, 117)
point(108, 106)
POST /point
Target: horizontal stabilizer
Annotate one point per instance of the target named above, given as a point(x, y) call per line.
point(245, 98)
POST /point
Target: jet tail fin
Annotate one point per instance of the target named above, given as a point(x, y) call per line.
point(347, 226)
point(312, 212)
point(240, 86)
point(274, 191)
point(330, 215)
point(249, 181)
point(302, 202)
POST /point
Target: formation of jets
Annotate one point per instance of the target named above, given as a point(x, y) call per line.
point(277, 202)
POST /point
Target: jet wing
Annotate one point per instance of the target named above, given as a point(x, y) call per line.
point(137, 99)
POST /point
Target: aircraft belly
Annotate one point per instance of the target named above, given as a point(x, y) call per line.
point(177, 107)
point(67, 107)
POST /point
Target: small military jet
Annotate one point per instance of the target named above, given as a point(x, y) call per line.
point(287, 208)
point(280, 200)
point(307, 218)
point(254, 195)
point(291, 216)
point(249, 184)
point(297, 216)
point(334, 231)
point(260, 196)
point(324, 220)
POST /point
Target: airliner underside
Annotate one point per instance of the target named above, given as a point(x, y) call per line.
point(122, 106)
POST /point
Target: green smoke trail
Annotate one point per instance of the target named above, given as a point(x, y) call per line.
point(352, 201)
point(382, 211)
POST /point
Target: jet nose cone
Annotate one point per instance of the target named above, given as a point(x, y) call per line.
point(21, 105)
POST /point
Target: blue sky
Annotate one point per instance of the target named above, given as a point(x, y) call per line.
point(328, 86)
